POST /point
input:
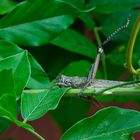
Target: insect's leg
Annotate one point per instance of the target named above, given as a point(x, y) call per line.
point(94, 67)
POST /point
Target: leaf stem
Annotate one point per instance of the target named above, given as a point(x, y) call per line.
point(131, 46)
point(34, 133)
point(103, 55)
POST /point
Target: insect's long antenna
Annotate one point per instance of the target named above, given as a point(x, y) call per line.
point(94, 67)
point(117, 31)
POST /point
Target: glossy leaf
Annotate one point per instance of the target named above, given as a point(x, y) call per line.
point(6, 6)
point(52, 8)
point(19, 63)
point(34, 104)
point(38, 78)
point(37, 28)
point(109, 123)
point(75, 42)
point(107, 6)
point(36, 33)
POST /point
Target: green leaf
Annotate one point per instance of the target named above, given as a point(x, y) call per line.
point(68, 108)
point(7, 83)
point(8, 48)
point(75, 42)
point(38, 78)
point(107, 6)
point(77, 68)
point(6, 6)
point(111, 123)
point(36, 33)
point(8, 111)
point(36, 103)
point(37, 28)
point(88, 20)
point(19, 63)
point(120, 99)
point(80, 6)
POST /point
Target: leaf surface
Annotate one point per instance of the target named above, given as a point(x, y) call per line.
point(107, 6)
point(111, 123)
point(35, 103)
point(6, 6)
point(20, 66)
point(75, 42)
point(38, 78)
point(7, 83)
point(8, 111)
point(40, 23)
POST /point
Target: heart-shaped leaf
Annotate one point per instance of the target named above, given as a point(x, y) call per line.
point(111, 123)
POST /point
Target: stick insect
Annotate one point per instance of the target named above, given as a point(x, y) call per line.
point(77, 82)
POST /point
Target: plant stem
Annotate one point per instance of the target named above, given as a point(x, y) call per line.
point(131, 46)
point(105, 91)
point(112, 92)
point(35, 134)
point(103, 55)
